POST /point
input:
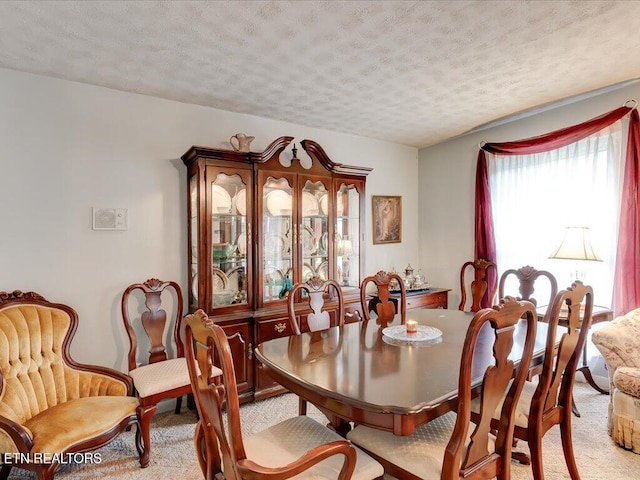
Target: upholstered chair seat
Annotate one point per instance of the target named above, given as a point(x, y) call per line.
point(289, 440)
point(50, 404)
point(161, 377)
point(619, 343)
point(422, 452)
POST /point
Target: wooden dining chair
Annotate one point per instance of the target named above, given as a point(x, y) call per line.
point(386, 307)
point(479, 285)
point(467, 450)
point(160, 375)
point(549, 401)
point(527, 277)
point(298, 446)
point(317, 319)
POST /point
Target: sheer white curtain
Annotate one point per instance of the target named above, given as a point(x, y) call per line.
point(535, 197)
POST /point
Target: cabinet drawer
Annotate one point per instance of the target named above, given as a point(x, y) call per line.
point(433, 300)
point(270, 329)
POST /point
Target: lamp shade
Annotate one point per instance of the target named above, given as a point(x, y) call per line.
point(576, 245)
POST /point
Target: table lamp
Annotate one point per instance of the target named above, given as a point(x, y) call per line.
point(576, 245)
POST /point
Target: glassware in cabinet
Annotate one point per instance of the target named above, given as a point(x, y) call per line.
point(348, 238)
point(278, 238)
point(314, 229)
point(229, 239)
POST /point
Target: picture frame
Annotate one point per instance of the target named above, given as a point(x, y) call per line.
point(387, 219)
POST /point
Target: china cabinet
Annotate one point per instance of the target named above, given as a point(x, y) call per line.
point(261, 222)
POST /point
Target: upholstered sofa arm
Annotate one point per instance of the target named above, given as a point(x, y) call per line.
point(94, 380)
point(619, 343)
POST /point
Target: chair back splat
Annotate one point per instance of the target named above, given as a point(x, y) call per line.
point(318, 318)
point(479, 286)
point(386, 308)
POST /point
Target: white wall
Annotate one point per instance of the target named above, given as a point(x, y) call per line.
point(447, 184)
point(66, 147)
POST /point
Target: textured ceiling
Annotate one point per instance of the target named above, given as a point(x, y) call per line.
point(411, 72)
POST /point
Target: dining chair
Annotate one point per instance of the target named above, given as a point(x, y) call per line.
point(468, 450)
point(314, 290)
point(386, 308)
point(549, 401)
point(298, 446)
point(526, 277)
point(159, 375)
point(479, 285)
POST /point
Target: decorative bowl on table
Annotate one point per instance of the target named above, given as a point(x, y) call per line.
point(223, 297)
point(222, 250)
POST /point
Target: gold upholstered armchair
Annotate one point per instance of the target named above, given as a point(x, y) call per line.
point(52, 407)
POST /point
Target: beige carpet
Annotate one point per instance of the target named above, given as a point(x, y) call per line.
point(173, 456)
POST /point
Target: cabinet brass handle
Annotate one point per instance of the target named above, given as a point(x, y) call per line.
point(355, 313)
point(250, 351)
point(280, 327)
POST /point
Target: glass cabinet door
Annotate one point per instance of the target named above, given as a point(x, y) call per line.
point(314, 230)
point(347, 236)
point(278, 230)
point(193, 234)
point(229, 240)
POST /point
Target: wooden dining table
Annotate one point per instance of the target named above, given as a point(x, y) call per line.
point(355, 373)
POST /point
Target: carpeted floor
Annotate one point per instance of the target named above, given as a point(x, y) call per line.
point(173, 457)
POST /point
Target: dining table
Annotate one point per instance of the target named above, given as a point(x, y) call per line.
point(357, 373)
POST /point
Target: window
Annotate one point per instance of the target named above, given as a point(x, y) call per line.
point(535, 197)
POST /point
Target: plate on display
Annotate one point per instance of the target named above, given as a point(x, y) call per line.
point(240, 201)
point(219, 280)
point(220, 200)
point(323, 201)
point(308, 241)
point(234, 277)
point(307, 272)
point(194, 284)
point(425, 333)
point(242, 244)
point(279, 202)
point(323, 270)
point(309, 204)
point(275, 246)
point(339, 206)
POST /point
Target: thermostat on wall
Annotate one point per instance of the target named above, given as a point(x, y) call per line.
point(109, 218)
